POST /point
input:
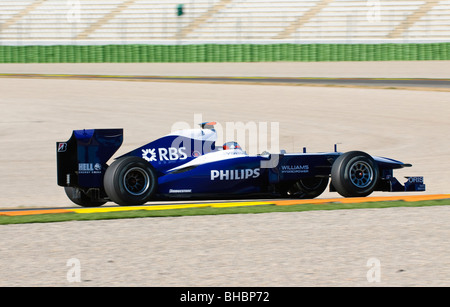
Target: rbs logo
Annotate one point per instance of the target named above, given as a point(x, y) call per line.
point(164, 154)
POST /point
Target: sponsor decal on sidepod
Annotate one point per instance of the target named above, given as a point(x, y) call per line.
point(295, 168)
point(237, 174)
point(164, 154)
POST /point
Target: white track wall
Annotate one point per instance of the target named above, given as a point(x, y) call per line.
point(94, 22)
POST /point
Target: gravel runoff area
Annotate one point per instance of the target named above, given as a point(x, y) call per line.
point(309, 248)
point(364, 247)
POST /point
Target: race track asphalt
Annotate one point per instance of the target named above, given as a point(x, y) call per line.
point(320, 248)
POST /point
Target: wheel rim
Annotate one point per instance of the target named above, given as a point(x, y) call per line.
point(136, 181)
point(361, 174)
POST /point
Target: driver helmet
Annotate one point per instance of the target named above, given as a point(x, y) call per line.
point(231, 145)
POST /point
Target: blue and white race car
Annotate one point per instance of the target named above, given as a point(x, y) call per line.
point(187, 164)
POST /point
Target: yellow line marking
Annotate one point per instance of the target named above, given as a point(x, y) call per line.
point(112, 209)
point(240, 204)
point(261, 203)
point(288, 202)
point(306, 201)
point(131, 208)
point(168, 207)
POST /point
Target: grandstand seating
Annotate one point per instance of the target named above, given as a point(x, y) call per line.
point(235, 21)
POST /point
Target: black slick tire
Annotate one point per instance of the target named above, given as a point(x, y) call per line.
point(130, 181)
point(354, 174)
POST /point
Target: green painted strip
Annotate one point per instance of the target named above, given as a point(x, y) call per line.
point(223, 53)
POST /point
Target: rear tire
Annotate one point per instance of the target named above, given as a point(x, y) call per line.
point(354, 174)
point(130, 181)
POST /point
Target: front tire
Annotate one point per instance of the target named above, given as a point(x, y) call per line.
point(354, 174)
point(130, 181)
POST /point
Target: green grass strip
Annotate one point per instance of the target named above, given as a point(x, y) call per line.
point(64, 217)
point(223, 53)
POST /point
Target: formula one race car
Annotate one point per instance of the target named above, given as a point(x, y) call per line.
point(187, 165)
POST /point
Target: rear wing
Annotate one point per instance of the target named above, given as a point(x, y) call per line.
point(81, 161)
